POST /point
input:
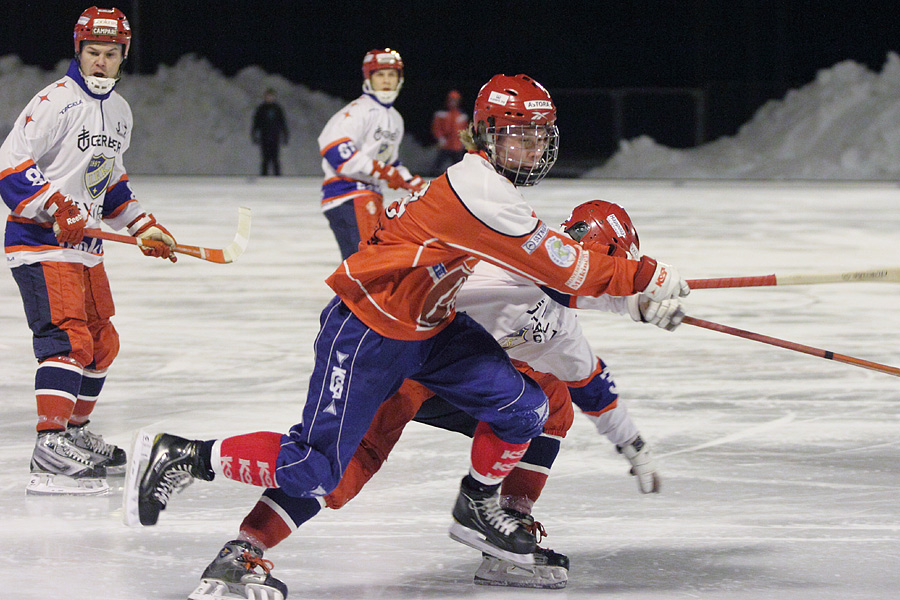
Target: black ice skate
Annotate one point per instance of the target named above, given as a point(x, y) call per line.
point(550, 571)
point(111, 456)
point(239, 571)
point(479, 522)
point(159, 468)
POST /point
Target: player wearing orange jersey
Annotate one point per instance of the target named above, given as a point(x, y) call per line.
point(394, 318)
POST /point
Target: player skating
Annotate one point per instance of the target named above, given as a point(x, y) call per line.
point(360, 147)
point(533, 324)
point(61, 170)
point(394, 318)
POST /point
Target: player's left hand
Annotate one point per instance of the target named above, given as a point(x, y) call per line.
point(643, 467)
point(665, 315)
point(162, 243)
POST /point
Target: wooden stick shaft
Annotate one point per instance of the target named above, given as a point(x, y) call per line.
point(765, 339)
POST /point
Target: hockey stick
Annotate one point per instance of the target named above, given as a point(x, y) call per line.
point(827, 354)
point(885, 275)
point(217, 255)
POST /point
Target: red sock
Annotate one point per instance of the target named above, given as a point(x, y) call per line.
point(263, 527)
point(249, 458)
point(492, 458)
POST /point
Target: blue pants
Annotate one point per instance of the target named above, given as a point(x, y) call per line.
point(357, 369)
point(342, 220)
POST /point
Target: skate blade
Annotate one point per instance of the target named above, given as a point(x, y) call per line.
point(494, 571)
point(473, 539)
point(138, 458)
point(53, 484)
point(216, 589)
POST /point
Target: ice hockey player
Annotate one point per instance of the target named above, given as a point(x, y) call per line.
point(394, 319)
point(360, 147)
point(61, 170)
point(529, 323)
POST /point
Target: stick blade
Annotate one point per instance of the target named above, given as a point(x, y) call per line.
point(241, 237)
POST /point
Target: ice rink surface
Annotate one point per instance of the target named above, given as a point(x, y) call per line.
point(781, 476)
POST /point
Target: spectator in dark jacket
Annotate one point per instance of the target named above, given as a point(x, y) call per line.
point(269, 132)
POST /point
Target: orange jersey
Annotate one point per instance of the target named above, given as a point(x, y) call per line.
point(403, 283)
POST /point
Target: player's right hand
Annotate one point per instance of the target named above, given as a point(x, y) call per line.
point(389, 175)
point(69, 221)
point(658, 281)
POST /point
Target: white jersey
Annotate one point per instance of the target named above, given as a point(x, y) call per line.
point(534, 328)
point(529, 324)
point(70, 141)
point(363, 131)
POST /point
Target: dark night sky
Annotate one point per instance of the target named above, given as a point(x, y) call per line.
point(741, 52)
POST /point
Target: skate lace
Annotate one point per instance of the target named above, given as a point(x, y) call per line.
point(172, 482)
point(537, 529)
point(68, 449)
point(498, 518)
point(95, 443)
point(252, 561)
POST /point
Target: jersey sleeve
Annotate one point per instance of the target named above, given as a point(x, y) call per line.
point(341, 140)
point(23, 186)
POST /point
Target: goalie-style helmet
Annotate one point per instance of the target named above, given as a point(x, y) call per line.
point(103, 25)
point(604, 227)
point(378, 59)
point(515, 125)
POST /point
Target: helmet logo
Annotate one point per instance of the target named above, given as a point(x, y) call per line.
point(537, 104)
point(498, 98)
point(617, 227)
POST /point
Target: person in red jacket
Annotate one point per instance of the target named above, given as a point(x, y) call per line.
point(446, 126)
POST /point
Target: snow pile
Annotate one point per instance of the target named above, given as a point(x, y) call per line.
point(843, 125)
point(191, 119)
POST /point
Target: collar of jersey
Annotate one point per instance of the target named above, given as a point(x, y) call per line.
point(377, 100)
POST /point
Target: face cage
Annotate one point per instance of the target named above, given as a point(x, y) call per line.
point(498, 141)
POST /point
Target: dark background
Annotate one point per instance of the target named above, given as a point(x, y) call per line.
point(731, 54)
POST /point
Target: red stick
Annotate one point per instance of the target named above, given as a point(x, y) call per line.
point(889, 275)
point(827, 354)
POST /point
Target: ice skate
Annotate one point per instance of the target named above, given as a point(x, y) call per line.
point(234, 574)
point(158, 468)
point(479, 522)
point(59, 468)
point(99, 450)
point(550, 570)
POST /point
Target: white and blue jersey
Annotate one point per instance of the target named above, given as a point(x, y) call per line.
point(71, 141)
point(363, 131)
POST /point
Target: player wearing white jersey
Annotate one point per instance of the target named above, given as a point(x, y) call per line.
point(61, 170)
point(360, 147)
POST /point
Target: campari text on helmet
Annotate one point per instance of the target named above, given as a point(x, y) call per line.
point(101, 27)
point(515, 126)
point(604, 227)
point(389, 67)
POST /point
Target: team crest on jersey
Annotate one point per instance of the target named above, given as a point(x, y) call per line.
point(560, 253)
point(98, 174)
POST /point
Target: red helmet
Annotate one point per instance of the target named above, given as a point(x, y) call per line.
point(604, 227)
point(517, 111)
point(378, 59)
point(103, 25)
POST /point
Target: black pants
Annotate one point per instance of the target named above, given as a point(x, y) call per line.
point(270, 157)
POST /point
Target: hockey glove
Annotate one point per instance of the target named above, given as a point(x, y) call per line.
point(643, 467)
point(162, 243)
point(658, 281)
point(390, 175)
point(69, 221)
point(416, 184)
point(666, 314)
